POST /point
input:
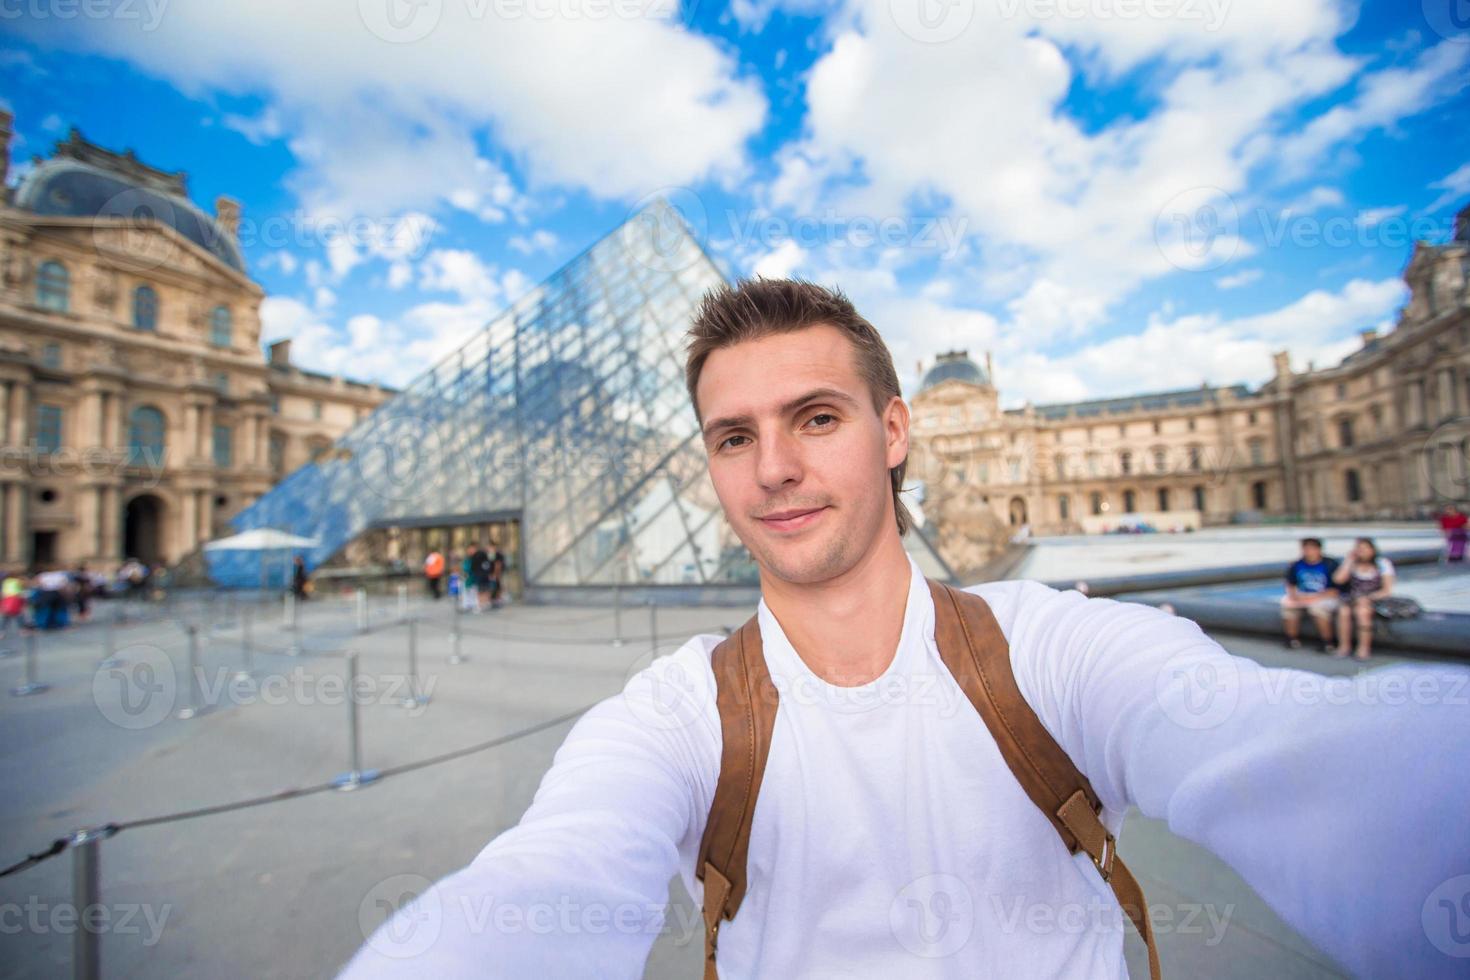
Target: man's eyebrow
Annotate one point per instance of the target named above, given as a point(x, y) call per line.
point(816, 394)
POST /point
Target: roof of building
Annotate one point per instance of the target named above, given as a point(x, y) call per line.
point(1157, 401)
point(954, 366)
point(83, 180)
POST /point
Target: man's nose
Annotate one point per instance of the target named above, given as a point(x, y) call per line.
point(778, 461)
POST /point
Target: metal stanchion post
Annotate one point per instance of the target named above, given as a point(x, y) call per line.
point(362, 610)
point(195, 707)
point(109, 643)
point(455, 656)
point(402, 603)
point(414, 698)
point(12, 626)
point(247, 646)
point(288, 610)
point(86, 892)
point(653, 625)
point(617, 614)
point(355, 776)
point(31, 685)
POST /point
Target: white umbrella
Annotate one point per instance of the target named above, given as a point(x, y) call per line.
point(262, 539)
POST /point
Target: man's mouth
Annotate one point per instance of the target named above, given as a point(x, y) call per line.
point(792, 520)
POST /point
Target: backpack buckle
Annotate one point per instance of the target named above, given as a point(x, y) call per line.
point(1104, 861)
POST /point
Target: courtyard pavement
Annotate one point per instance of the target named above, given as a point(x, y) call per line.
point(289, 888)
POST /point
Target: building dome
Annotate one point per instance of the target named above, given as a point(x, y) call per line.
point(68, 188)
point(955, 366)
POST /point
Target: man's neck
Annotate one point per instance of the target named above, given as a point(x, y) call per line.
point(846, 629)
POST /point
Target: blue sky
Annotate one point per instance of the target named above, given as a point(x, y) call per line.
point(1111, 195)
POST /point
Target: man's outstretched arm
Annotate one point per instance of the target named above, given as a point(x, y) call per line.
point(1342, 801)
point(579, 887)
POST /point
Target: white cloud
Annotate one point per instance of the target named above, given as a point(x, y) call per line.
point(781, 261)
point(1314, 200)
point(1456, 186)
point(1371, 217)
point(539, 240)
point(382, 127)
point(1242, 278)
point(1184, 351)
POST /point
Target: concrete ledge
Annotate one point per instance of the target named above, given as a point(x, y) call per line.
point(1190, 578)
point(1431, 632)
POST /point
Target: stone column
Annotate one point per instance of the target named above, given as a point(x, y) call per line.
point(188, 522)
point(5, 411)
point(20, 410)
point(191, 430)
point(206, 514)
point(206, 432)
point(15, 545)
point(89, 526)
point(111, 545)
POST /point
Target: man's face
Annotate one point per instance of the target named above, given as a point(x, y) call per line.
point(798, 456)
point(1312, 553)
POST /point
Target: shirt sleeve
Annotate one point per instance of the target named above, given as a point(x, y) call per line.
point(1385, 567)
point(1341, 801)
point(579, 887)
point(1290, 575)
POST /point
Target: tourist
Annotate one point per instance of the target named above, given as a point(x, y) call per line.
point(53, 597)
point(81, 583)
point(483, 569)
point(434, 572)
point(497, 574)
point(300, 580)
point(13, 602)
point(1309, 588)
point(1452, 525)
point(865, 821)
point(1365, 577)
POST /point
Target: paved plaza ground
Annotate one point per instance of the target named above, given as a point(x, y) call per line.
point(287, 889)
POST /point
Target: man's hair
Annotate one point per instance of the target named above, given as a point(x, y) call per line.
point(756, 308)
point(1315, 541)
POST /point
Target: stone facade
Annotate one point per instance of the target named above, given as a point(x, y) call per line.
point(1385, 434)
point(137, 409)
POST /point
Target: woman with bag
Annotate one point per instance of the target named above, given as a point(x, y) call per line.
point(1363, 578)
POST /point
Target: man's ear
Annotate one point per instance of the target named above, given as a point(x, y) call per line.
point(896, 431)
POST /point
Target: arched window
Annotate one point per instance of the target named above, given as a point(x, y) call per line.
point(1097, 503)
point(1199, 499)
point(219, 326)
point(1354, 486)
point(1258, 494)
point(53, 286)
point(1064, 507)
point(145, 436)
point(1163, 498)
point(1125, 463)
point(1130, 500)
point(145, 308)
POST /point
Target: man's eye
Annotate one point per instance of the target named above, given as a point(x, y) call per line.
point(823, 415)
point(726, 442)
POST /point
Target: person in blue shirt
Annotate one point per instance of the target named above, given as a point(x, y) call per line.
point(1309, 588)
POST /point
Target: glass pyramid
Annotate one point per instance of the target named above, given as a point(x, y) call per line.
point(567, 411)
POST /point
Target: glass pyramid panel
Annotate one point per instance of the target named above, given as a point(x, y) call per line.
point(568, 409)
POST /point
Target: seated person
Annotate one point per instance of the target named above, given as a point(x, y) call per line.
point(1309, 587)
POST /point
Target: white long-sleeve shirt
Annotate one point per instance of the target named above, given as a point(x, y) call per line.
point(891, 840)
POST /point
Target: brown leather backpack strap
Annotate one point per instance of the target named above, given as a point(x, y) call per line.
point(975, 650)
point(747, 701)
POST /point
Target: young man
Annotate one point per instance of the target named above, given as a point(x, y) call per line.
point(889, 837)
point(1309, 587)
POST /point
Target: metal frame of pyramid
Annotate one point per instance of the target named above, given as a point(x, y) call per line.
point(568, 410)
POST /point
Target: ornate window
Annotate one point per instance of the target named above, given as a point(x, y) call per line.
point(145, 308)
point(53, 286)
